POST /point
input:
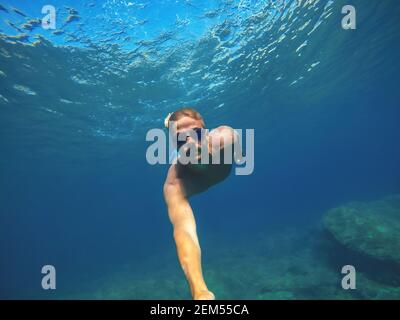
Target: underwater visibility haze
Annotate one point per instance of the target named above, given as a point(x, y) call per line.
point(76, 191)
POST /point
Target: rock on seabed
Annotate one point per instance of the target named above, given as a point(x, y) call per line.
point(370, 228)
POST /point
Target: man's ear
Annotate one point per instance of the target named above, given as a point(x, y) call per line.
point(166, 120)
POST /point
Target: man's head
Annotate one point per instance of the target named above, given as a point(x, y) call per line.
point(185, 118)
point(187, 123)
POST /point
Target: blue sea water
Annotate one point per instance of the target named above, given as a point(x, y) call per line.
point(76, 191)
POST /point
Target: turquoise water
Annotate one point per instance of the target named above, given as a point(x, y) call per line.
point(76, 191)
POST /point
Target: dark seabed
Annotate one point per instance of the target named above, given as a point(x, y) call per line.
point(77, 193)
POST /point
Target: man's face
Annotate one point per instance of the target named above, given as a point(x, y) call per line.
point(189, 134)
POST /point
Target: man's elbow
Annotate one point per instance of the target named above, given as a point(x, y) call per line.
point(170, 191)
point(167, 190)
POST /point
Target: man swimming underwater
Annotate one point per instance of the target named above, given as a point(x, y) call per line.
point(186, 180)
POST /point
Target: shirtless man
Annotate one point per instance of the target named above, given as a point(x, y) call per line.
point(184, 181)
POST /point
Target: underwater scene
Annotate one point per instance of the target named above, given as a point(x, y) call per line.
point(83, 82)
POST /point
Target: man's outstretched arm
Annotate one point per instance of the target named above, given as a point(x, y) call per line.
point(187, 244)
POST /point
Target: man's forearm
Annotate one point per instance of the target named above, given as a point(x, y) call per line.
point(189, 255)
point(186, 240)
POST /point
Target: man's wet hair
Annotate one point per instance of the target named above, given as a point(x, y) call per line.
point(184, 112)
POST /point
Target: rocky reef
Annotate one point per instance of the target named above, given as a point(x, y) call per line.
point(372, 228)
point(283, 263)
